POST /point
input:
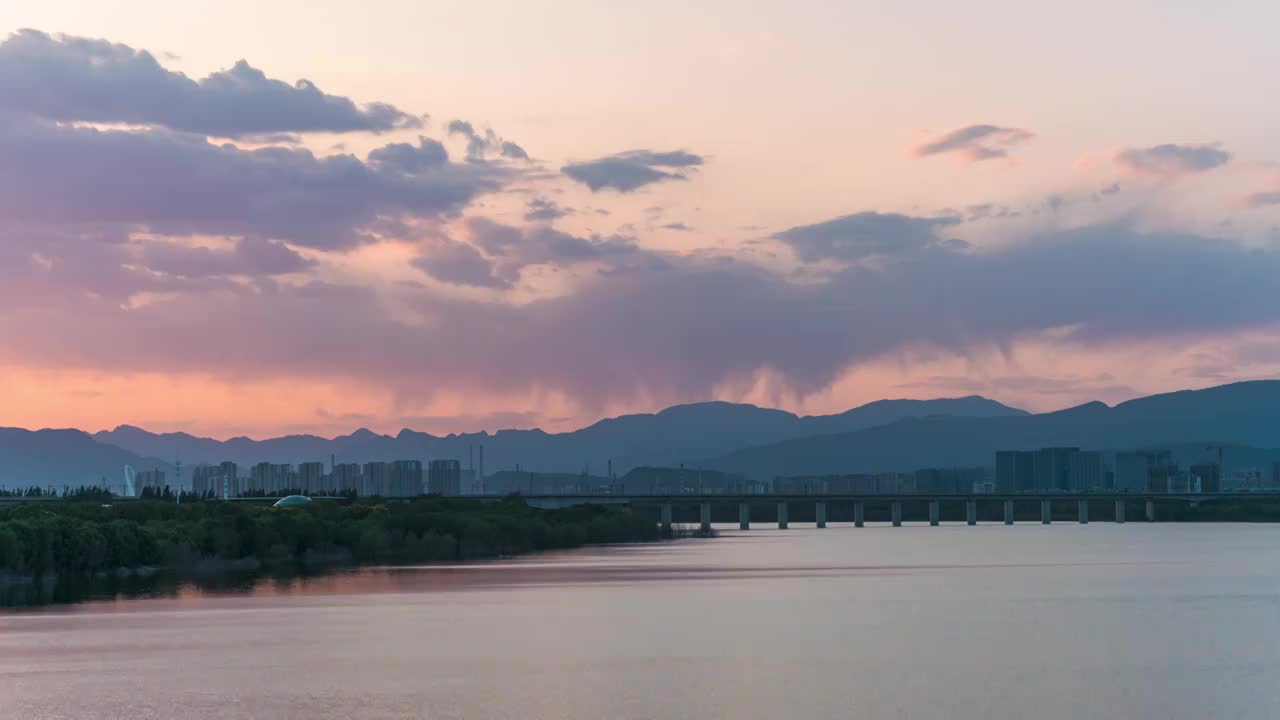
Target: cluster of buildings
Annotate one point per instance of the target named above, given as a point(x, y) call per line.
point(651, 480)
point(1046, 470)
point(399, 478)
point(1182, 470)
point(1230, 469)
point(1053, 469)
point(1068, 470)
point(940, 481)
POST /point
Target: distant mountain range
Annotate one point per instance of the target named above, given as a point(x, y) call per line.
point(62, 457)
point(680, 434)
point(1245, 414)
point(757, 442)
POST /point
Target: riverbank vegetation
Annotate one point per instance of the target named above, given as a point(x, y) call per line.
point(83, 537)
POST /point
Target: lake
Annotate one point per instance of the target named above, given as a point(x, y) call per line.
point(1065, 621)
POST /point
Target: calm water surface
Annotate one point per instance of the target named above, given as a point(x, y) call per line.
point(1066, 621)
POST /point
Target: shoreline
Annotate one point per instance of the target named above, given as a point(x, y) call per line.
point(35, 592)
point(88, 540)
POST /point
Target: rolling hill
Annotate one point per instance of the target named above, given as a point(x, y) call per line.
point(1239, 414)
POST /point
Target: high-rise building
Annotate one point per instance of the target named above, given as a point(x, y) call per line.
point(1062, 469)
point(1132, 470)
point(406, 478)
point(1052, 467)
point(444, 477)
point(1247, 478)
point(928, 480)
point(348, 477)
point(214, 480)
point(311, 479)
point(1210, 475)
point(153, 479)
point(863, 484)
point(271, 478)
point(377, 479)
point(231, 479)
point(1015, 471)
point(1158, 477)
point(1183, 481)
point(1085, 471)
point(1247, 468)
point(204, 480)
point(892, 483)
point(949, 481)
point(803, 485)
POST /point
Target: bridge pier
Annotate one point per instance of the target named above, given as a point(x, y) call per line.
point(820, 514)
point(1083, 510)
point(935, 513)
point(666, 518)
point(1151, 511)
point(895, 512)
point(1119, 511)
point(744, 516)
point(1008, 512)
point(782, 516)
point(971, 512)
point(1046, 512)
point(705, 513)
point(859, 514)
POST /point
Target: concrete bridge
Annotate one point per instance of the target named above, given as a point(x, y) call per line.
point(997, 506)
point(1007, 503)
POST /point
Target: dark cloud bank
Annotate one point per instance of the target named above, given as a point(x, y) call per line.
point(678, 325)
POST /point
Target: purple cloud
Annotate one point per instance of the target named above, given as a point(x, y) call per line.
point(632, 170)
point(1172, 160)
point(672, 329)
point(175, 183)
point(480, 144)
point(66, 79)
point(459, 264)
point(248, 256)
point(1262, 199)
point(424, 157)
point(543, 209)
point(975, 142)
point(497, 253)
point(85, 282)
point(864, 235)
point(517, 248)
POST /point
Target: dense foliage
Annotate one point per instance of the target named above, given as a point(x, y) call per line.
point(78, 537)
point(1244, 508)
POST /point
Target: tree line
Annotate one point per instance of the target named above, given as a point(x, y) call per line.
point(72, 536)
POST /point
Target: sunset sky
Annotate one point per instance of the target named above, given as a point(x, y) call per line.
point(273, 217)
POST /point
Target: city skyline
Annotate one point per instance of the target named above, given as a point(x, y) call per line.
point(1186, 470)
point(541, 224)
